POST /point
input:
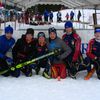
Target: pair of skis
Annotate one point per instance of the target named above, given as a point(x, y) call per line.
point(54, 52)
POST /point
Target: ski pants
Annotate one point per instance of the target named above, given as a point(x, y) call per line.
point(58, 70)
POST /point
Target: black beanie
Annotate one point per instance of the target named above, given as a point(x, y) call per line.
point(30, 31)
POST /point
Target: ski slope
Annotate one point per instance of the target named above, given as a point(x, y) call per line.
point(39, 88)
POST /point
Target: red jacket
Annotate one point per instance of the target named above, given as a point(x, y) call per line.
point(74, 41)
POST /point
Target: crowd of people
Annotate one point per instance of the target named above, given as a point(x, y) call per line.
point(67, 63)
point(27, 17)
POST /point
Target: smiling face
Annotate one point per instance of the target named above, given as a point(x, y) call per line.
point(41, 39)
point(29, 38)
point(68, 30)
point(8, 35)
point(52, 35)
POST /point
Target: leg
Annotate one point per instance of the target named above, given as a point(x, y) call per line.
point(4, 66)
point(27, 70)
point(63, 73)
point(54, 72)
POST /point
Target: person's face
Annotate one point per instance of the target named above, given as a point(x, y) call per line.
point(8, 35)
point(68, 30)
point(29, 37)
point(52, 35)
point(97, 35)
point(41, 39)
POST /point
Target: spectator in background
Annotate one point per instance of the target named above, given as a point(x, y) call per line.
point(59, 15)
point(79, 15)
point(71, 15)
point(67, 16)
point(46, 14)
point(51, 16)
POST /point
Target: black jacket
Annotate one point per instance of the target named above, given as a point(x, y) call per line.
point(23, 50)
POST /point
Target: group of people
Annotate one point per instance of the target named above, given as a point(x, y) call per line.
point(68, 62)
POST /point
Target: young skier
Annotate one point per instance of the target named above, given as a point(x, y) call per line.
point(93, 55)
point(73, 40)
point(6, 43)
point(41, 48)
point(58, 69)
point(24, 50)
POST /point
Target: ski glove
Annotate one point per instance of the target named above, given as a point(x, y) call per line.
point(9, 60)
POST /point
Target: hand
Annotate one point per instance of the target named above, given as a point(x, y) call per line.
point(57, 52)
point(9, 60)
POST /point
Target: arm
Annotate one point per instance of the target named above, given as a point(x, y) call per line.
point(77, 47)
point(89, 50)
point(66, 50)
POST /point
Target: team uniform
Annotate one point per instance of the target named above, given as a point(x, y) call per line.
point(74, 42)
point(58, 68)
point(24, 51)
point(5, 45)
point(40, 51)
point(93, 57)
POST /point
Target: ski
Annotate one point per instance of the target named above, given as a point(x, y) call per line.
point(54, 52)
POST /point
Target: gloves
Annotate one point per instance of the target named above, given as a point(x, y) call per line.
point(57, 52)
point(9, 60)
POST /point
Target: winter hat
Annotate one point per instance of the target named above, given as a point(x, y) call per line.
point(52, 29)
point(97, 30)
point(68, 24)
point(41, 34)
point(9, 29)
point(30, 31)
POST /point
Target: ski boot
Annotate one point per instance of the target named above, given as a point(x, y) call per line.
point(89, 75)
point(46, 74)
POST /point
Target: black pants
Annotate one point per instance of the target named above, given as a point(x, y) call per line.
point(27, 70)
point(4, 66)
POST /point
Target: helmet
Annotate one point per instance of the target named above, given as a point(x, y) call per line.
point(9, 29)
point(68, 24)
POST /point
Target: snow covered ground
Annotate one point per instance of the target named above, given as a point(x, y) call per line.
point(39, 88)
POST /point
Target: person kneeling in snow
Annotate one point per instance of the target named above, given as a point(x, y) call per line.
point(93, 55)
point(24, 50)
point(6, 43)
point(58, 68)
point(42, 50)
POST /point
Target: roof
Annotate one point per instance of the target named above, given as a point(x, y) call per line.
point(67, 3)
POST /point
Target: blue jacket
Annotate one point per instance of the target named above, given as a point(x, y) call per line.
point(5, 45)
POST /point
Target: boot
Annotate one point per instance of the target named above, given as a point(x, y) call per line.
point(90, 73)
point(46, 74)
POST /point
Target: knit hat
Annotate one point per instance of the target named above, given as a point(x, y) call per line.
point(9, 29)
point(41, 34)
point(68, 24)
point(52, 29)
point(97, 30)
point(30, 31)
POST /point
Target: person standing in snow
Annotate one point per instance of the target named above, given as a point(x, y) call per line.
point(59, 15)
point(24, 50)
point(51, 16)
point(41, 48)
point(71, 15)
point(79, 15)
point(46, 14)
point(6, 43)
point(58, 68)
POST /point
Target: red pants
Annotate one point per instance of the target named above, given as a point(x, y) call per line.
point(58, 70)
